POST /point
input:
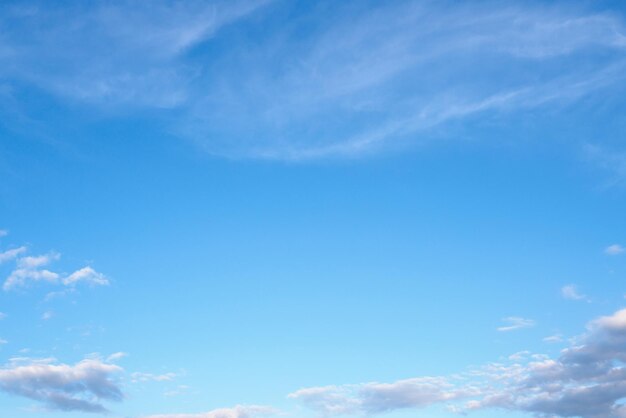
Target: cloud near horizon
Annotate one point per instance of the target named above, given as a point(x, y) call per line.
point(79, 387)
point(239, 411)
point(587, 380)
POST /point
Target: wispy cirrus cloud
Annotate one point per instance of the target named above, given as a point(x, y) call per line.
point(129, 55)
point(361, 78)
point(79, 387)
point(515, 323)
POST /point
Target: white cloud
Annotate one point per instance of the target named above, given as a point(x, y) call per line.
point(116, 356)
point(19, 277)
point(587, 380)
point(139, 49)
point(571, 292)
point(28, 270)
point(46, 316)
point(3, 341)
point(375, 398)
point(239, 411)
point(3, 233)
point(33, 262)
point(361, 78)
point(79, 387)
point(11, 254)
point(614, 249)
point(556, 338)
point(2, 315)
point(149, 377)
point(515, 323)
point(86, 275)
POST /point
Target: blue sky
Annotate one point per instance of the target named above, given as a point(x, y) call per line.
point(243, 209)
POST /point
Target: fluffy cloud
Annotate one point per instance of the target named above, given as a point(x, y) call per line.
point(516, 322)
point(238, 411)
point(614, 249)
point(31, 269)
point(79, 387)
point(86, 275)
point(587, 380)
point(571, 292)
point(11, 254)
point(371, 398)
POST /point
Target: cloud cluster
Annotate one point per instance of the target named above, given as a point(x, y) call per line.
point(79, 387)
point(587, 380)
point(33, 269)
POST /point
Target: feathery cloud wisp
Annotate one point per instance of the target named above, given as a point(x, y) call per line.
point(515, 323)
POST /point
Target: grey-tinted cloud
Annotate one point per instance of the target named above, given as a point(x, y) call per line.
point(586, 380)
point(79, 387)
point(373, 398)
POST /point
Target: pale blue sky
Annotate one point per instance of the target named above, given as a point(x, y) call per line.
point(243, 209)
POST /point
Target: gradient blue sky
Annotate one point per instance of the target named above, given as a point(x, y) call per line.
point(242, 209)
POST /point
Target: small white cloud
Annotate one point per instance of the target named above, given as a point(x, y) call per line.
point(515, 323)
point(571, 292)
point(2, 315)
point(149, 377)
point(86, 275)
point(3, 232)
point(47, 315)
point(20, 277)
point(116, 356)
point(3, 341)
point(556, 338)
point(32, 262)
point(614, 249)
point(11, 254)
point(519, 356)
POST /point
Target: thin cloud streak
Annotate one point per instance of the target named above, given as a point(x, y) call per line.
point(359, 81)
point(515, 323)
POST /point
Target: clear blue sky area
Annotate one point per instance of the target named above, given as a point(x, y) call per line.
point(243, 209)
